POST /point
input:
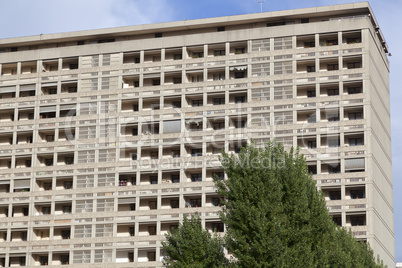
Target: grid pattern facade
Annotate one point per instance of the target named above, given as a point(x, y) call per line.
point(105, 148)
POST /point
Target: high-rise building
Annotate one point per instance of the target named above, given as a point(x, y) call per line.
point(108, 137)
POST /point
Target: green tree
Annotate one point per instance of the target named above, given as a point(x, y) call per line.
point(191, 246)
point(275, 217)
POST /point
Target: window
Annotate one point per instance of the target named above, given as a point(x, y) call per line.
point(358, 220)
point(156, 82)
point(176, 104)
point(196, 177)
point(47, 186)
point(153, 180)
point(131, 257)
point(152, 230)
point(219, 52)
point(311, 118)
point(221, 29)
point(196, 103)
point(354, 65)
point(355, 141)
point(25, 211)
point(122, 182)
point(174, 203)
point(335, 195)
point(154, 155)
point(216, 202)
point(240, 99)
point(334, 168)
point(65, 234)
point(310, 69)
point(198, 54)
point(21, 261)
point(355, 116)
point(237, 149)
point(238, 75)
point(309, 44)
point(80, 43)
point(219, 125)
point(151, 256)
point(334, 142)
point(312, 169)
point(46, 210)
point(28, 163)
point(306, 20)
point(158, 35)
point(218, 175)
point(177, 56)
point(69, 160)
point(196, 152)
point(133, 156)
point(152, 205)
point(219, 101)
point(43, 260)
point(240, 124)
point(66, 209)
point(68, 185)
point(332, 67)
point(175, 178)
point(332, 92)
point(24, 236)
point(218, 76)
point(131, 231)
point(240, 50)
point(49, 162)
point(353, 40)
point(134, 131)
point(337, 220)
point(311, 94)
point(175, 153)
point(357, 194)
point(195, 203)
point(332, 42)
point(64, 259)
point(312, 144)
point(135, 107)
point(176, 80)
point(49, 138)
point(132, 206)
point(332, 117)
point(218, 227)
point(354, 90)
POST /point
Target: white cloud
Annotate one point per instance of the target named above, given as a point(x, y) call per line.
point(31, 17)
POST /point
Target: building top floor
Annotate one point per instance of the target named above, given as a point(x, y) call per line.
point(199, 26)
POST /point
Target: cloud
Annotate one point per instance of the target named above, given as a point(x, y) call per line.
point(32, 17)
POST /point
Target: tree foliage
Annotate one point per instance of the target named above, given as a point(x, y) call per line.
point(275, 217)
point(190, 245)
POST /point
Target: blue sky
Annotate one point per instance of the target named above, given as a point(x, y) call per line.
point(33, 17)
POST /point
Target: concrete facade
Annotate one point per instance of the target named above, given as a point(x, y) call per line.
point(108, 137)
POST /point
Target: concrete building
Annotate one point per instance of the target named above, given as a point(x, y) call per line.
point(108, 137)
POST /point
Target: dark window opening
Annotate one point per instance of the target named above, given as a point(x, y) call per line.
point(221, 29)
point(335, 195)
point(158, 35)
point(196, 177)
point(357, 194)
point(311, 93)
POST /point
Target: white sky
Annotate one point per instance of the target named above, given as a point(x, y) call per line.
point(33, 17)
